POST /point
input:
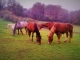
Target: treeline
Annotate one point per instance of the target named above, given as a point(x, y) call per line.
point(11, 9)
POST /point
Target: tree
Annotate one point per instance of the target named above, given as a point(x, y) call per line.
point(10, 4)
point(2, 4)
point(15, 7)
point(25, 12)
point(37, 10)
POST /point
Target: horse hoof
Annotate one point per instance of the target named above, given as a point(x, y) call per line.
point(58, 42)
point(49, 43)
point(32, 40)
point(12, 35)
point(39, 43)
point(64, 41)
point(69, 41)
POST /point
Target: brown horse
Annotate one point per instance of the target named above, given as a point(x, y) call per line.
point(47, 25)
point(32, 27)
point(60, 28)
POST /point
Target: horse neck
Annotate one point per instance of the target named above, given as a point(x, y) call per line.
point(43, 25)
point(48, 25)
point(36, 30)
point(52, 31)
point(14, 28)
point(38, 33)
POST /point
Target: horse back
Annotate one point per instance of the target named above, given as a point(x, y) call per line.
point(23, 23)
point(30, 26)
point(63, 27)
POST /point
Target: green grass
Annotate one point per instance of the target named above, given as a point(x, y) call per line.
point(18, 47)
point(77, 28)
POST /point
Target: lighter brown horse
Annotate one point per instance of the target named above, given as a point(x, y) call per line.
point(60, 28)
point(33, 27)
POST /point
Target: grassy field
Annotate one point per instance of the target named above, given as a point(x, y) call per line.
point(18, 47)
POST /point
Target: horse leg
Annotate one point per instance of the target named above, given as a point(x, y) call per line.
point(13, 31)
point(29, 34)
point(58, 35)
point(66, 37)
point(26, 30)
point(21, 31)
point(32, 35)
point(18, 31)
point(70, 36)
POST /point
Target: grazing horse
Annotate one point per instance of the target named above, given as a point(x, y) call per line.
point(33, 27)
point(48, 25)
point(60, 28)
point(19, 26)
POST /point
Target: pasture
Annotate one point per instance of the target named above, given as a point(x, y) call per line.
point(18, 47)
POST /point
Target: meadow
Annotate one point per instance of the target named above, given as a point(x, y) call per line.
point(18, 47)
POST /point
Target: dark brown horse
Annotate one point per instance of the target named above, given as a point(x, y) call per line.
point(60, 28)
point(32, 27)
point(48, 25)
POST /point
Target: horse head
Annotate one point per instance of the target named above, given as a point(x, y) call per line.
point(38, 39)
point(50, 39)
point(15, 27)
point(50, 36)
point(14, 30)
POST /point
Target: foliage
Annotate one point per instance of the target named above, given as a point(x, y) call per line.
point(2, 4)
point(15, 7)
point(75, 17)
point(37, 10)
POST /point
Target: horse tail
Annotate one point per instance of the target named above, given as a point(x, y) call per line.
point(71, 30)
point(36, 30)
point(71, 33)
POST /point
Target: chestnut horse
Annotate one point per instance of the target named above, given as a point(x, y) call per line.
point(19, 26)
point(60, 28)
point(47, 25)
point(33, 27)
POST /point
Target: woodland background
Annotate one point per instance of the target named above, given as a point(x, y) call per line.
point(14, 11)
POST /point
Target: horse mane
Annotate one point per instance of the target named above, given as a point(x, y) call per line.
point(52, 31)
point(36, 30)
